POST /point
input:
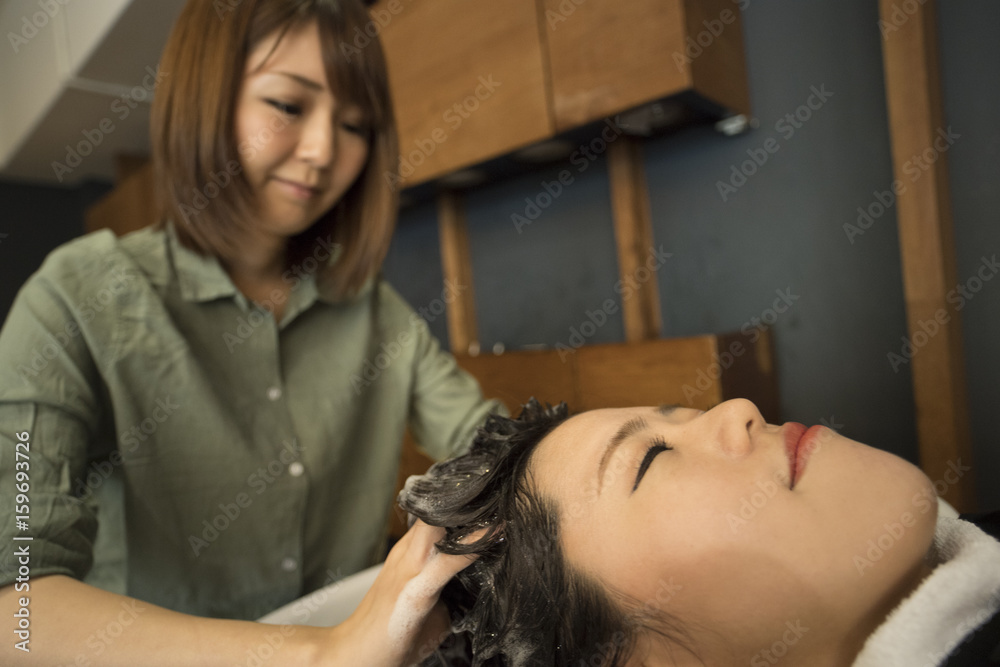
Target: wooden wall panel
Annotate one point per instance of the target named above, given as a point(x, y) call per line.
point(607, 56)
point(456, 266)
point(647, 373)
point(637, 262)
point(514, 377)
point(439, 54)
point(719, 70)
point(923, 209)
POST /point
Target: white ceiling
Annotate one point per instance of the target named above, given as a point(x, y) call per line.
point(73, 81)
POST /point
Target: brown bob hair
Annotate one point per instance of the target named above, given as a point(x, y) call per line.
point(196, 158)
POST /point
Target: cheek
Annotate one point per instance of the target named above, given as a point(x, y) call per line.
point(353, 158)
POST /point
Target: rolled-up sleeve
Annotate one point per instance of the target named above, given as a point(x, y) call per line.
point(47, 380)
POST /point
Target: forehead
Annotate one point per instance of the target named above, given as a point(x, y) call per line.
point(299, 50)
point(577, 444)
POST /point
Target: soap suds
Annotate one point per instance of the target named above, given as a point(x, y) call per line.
point(414, 603)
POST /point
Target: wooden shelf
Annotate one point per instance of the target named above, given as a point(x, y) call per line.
point(474, 82)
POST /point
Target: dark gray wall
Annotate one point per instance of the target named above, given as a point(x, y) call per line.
point(413, 267)
point(781, 231)
point(35, 220)
point(969, 67)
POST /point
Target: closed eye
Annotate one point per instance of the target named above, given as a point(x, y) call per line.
point(658, 446)
point(360, 129)
point(285, 108)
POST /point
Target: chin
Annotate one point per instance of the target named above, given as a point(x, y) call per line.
point(898, 503)
point(290, 225)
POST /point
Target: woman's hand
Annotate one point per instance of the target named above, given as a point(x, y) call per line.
point(400, 621)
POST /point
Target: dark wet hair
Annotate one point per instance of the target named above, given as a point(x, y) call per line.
point(520, 603)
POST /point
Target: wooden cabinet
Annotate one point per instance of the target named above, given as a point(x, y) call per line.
point(608, 56)
point(473, 81)
point(467, 81)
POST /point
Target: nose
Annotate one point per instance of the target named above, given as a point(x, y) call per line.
point(317, 141)
point(734, 423)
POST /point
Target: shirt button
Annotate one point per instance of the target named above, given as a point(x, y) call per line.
point(274, 393)
point(289, 564)
point(296, 469)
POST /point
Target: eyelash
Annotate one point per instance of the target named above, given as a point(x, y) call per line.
point(659, 445)
point(296, 110)
point(360, 130)
point(287, 109)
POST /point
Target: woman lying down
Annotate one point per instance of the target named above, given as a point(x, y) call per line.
point(671, 536)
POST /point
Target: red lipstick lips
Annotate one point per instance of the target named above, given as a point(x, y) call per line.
point(799, 445)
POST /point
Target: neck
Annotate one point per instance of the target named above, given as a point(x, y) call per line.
point(845, 647)
point(835, 643)
point(261, 259)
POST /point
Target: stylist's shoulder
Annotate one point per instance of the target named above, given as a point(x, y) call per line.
point(81, 285)
point(72, 268)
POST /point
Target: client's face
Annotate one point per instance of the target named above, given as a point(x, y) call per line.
point(694, 514)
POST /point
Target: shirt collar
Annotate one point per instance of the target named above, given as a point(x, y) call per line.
point(202, 278)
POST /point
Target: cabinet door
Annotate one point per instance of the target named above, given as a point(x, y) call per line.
point(467, 81)
point(607, 56)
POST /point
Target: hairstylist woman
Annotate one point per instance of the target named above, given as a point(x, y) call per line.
point(217, 362)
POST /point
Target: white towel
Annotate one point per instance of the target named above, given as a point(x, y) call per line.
point(960, 594)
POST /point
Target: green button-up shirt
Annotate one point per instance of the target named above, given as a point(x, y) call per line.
point(257, 459)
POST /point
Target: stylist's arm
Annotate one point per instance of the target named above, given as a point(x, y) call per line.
point(398, 623)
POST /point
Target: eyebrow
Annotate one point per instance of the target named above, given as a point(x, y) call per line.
point(308, 83)
point(632, 427)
